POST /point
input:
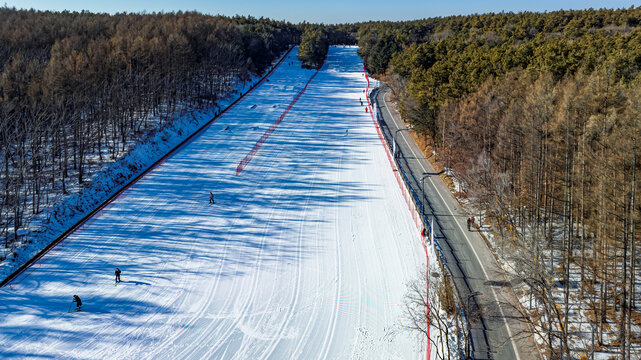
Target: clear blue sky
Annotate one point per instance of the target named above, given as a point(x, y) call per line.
point(325, 11)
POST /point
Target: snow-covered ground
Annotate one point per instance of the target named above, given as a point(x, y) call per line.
point(304, 255)
point(160, 136)
point(581, 321)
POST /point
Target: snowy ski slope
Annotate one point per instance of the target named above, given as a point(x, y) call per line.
point(304, 255)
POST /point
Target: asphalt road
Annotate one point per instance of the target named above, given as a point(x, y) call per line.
point(496, 331)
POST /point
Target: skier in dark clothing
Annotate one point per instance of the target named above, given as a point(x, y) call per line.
point(211, 198)
point(78, 302)
point(117, 275)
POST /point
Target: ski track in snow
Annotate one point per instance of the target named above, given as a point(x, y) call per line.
point(304, 255)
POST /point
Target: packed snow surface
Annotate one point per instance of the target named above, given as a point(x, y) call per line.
point(305, 254)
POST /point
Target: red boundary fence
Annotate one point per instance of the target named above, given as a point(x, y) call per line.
point(411, 206)
point(243, 163)
point(9, 279)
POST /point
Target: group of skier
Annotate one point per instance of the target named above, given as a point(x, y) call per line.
point(77, 300)
point(361, 100)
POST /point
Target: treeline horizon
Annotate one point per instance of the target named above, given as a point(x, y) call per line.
point(538, 114)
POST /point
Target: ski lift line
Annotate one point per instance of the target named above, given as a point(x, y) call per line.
point(412, 205)
point(437, 245)
point(245, 161)
point(392, 162)
point(412, 208)
point(9, 280)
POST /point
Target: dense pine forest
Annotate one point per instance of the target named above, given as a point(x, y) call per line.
point(538, 115)
point(313, 47)
point(77, 89)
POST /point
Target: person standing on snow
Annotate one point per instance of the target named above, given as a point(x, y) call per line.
point(469, 222)
point(117, 275)
point(78, 302)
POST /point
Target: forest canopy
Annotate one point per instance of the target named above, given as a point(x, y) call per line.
point(313, 47)
point(538, 116)
point(78, 89)
point(440, 59)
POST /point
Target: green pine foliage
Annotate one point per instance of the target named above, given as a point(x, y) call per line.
point(538, 115)
point(441, 59)
point(313, 47)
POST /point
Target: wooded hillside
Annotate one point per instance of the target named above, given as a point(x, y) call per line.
point(78, 89)
point(539, 115)
point(313, 48)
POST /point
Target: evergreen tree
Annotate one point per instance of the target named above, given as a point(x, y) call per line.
point(313, 47)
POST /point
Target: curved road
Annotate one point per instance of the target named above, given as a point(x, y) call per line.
point(496, 331)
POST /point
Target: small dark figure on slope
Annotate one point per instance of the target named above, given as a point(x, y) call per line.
point(78, 302)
